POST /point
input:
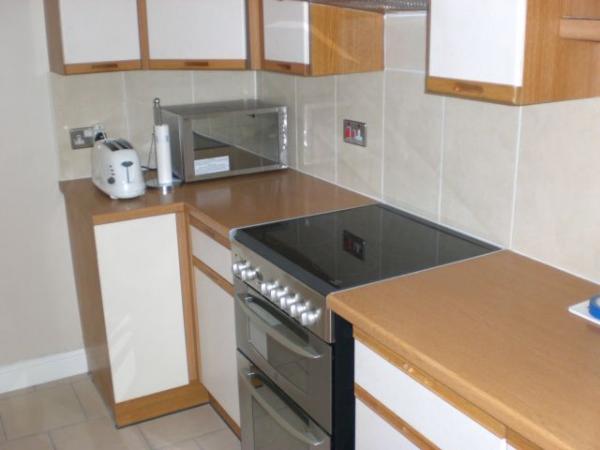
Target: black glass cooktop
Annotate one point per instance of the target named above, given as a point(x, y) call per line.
point(348, 248)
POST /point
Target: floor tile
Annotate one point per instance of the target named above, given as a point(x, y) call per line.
point(39, 442)
point(219, 440)
point(186, 445)
point(16, 392)
point(181, 426)
point(92, 403)
point(40, 411)
point(98, 434)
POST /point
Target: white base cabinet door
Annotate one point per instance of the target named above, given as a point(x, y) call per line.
point(216, 328)
point(138, 262)
point(374, 433)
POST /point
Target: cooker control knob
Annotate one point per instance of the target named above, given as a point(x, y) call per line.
point(287, 301)
point(297, 309)
point(309, 317)
point(249, 274)
point(239, 266)
point(278, 293)
point(265, 287)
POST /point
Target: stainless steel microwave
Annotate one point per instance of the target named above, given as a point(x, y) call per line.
point(214, 140)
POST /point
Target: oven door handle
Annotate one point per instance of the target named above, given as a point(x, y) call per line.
point(305, 437)
point(292, 346)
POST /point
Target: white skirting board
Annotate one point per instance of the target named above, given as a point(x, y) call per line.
point(42, 370)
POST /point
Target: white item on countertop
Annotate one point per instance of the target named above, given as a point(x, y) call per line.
point(582, 310)
point(163, 155)
point(116, 169)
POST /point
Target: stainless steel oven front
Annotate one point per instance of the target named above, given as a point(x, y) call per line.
point(270, 420)
point(291, 357)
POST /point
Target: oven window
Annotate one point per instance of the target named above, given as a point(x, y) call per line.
point(290, 365)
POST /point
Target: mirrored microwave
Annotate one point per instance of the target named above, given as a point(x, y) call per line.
point(214, 140)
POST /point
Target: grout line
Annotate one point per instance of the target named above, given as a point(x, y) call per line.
point(126, 105)
point(336, 130)
point(52, 444)
point(2, 431)
point(79, 401)
point(144, 438)
point(516, 179)
point(413, 71)
point(441, 176)
point(193, 86)
point(383, 127)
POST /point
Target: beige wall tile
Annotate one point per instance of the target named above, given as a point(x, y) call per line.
point(40, 411)
point(360, 97)
point(39, 442)
point(210, 86)
point(98, 434)
point(281, 89)
point(405, 41)
point(558, 190)
point(142, 87)
point(480, 142)
point(84, 100)
point(413, 138)
point(316, 126)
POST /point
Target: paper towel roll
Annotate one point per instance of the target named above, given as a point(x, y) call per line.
point(163, 155)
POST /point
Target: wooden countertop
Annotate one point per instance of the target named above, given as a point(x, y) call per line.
point(222, 204)
point(495, 330)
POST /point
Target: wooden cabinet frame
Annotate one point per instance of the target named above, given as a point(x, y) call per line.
point(342, 40)
point(562, 58)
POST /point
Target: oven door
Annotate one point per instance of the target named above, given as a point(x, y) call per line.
point(271, 421)
point(294, 359)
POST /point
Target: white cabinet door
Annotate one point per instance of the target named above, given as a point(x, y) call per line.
point(138, 262)
point(216, 328)
point(197, 29)
point(476, 40)
point(374, 433)
point(99, 31)
point(286, 31)
point(423, 410)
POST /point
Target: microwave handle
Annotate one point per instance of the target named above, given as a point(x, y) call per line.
point(273, 333)
point(307, 438)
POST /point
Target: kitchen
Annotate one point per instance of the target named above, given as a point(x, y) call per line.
point(517, 177)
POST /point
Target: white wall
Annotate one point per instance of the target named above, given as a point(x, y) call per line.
point(38, 307)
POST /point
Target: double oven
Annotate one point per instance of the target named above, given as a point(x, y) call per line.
point(288, 359)
point(295, 357)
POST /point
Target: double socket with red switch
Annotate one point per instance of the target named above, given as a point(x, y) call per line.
point(355, 132)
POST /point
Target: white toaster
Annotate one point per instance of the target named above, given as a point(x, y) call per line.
point(116, 169)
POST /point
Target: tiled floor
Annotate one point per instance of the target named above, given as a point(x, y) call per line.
point(69, 415)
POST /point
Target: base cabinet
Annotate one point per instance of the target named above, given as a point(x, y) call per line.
point(140, 280)
point(216, 330)
point(374, 433)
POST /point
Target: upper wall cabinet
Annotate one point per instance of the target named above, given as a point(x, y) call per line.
point(92, 36)
point(514, 51)
point(310, 39)
point(196, 34)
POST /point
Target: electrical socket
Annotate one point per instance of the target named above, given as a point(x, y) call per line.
point(355, 132)
point(82, 137)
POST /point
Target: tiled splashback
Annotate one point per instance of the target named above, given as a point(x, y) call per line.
point(123, 103)
point(524, 178)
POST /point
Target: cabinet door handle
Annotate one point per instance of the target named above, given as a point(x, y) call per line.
point(468, 88)
point(284, 66)
point(103, 66)
point(196, 64)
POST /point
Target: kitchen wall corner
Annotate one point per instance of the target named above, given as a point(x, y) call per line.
point(123, 101)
